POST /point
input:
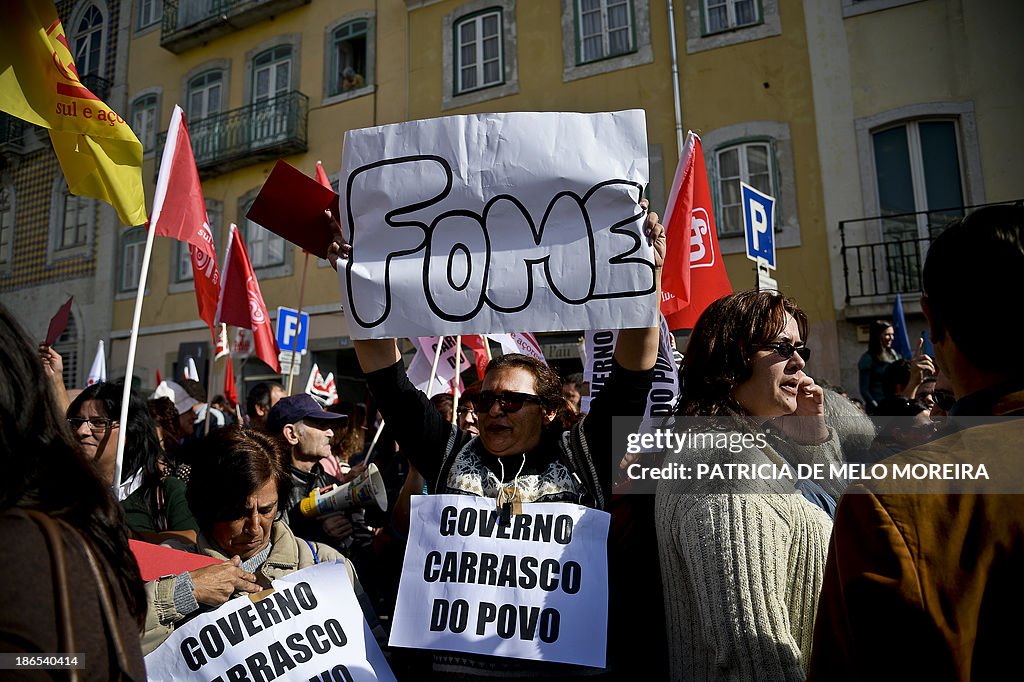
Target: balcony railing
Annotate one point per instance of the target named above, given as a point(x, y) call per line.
point(189, 23)
point(258, 132)
point(883, 256)
point(12, 134)
point(97, 85)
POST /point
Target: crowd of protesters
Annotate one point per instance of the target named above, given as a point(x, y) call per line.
point(726, 579)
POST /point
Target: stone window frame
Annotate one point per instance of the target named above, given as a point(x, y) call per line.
point(699, 41)
point(509, 49)
point(158, 92)
point(137, 235)
point(853, 8)
point(371, 58)
point(58, 192)
point(787, 224)
point(643, 52)
point(283, 269)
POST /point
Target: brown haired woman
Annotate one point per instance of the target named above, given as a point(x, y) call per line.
point(48, 486)
point(743, 560)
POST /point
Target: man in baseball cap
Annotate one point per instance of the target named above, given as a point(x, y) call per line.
point(305, 429)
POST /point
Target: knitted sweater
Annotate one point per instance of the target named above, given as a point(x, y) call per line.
point(742, 565)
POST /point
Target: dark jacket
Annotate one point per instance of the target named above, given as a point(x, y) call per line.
point(924, 585)
point(28, 617)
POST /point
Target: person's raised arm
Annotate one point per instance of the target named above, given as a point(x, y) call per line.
point(373, 354)
point(53, 367)
point(637, 349)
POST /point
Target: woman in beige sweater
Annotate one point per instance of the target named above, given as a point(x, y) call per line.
point(742, 558)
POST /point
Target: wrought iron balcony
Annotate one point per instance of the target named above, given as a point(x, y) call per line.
point(97, 85)
point(883, 256)
point(190, 23)
point(258, 132)
point(12, 134)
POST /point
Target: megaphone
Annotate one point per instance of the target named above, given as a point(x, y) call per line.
point(365, 490)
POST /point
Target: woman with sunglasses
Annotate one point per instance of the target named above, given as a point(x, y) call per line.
point(743, 559)
point(521, 445)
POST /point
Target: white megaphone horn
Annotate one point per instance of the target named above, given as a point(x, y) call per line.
point(365, 490)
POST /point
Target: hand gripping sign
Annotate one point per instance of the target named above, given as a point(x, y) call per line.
point(497, 223)
point(309, 627)
point(536, 588)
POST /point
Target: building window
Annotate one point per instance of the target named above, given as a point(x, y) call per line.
point(271, 81)
point(759, 153)
point(605, 29)
point(723, 15)
point(348, 57)
point(711, 24)
point(204, 94)
point(6, 221)
point(749, 162)
point(601, 36)
point(88, 49)
point(79, 213)
point(205, 97)
point(917, 168)
point(149, 12)
point(133, 245)
point(478, 51)
point(272, 73)
point(144, 120)
point(266, 249)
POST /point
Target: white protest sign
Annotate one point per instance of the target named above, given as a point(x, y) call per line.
point(599, 347)
point(497, 223)
point(536, 588)
point(310, 627)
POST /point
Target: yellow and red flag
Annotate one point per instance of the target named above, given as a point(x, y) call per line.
point(100, 155)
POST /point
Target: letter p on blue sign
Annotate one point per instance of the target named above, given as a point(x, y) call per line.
point(291, 330)
point(759, 224)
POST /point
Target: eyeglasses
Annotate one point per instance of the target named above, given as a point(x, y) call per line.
point(786, 350)
point(466, 409)
point(510, 401)
point(96, 424)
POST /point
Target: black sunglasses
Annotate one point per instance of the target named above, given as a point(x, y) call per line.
point(510, 401)
point(786, 350)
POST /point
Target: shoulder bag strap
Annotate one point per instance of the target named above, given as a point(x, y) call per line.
point(62, 595)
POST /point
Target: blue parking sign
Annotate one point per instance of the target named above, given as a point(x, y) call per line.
point(759, 224)
point(289, 327)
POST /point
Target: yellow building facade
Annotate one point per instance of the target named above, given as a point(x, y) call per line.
point(844, 111)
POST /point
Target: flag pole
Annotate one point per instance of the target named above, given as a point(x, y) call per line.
point(433, 367)
point(209, 396)
point(298, 323)
point(129, 370)
point(458, 378)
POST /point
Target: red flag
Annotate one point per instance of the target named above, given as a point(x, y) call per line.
point(694, 274)
point(58, 323)
point(158, 379)
point(241, 303)
point(478, 345)
point(179, 212)
point(321, 176)
point(230, 391)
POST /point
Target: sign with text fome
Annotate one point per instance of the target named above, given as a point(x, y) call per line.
point(289, 326)
point(482, 224)
point(534, 588)
point(309, 627)
point(759, 224)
